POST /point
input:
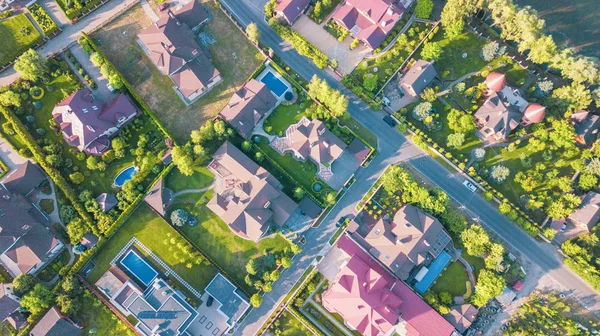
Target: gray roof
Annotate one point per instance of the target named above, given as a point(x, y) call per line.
point(233, 303)
point(159, 198)
point(310, 207)
point(192, 14)
point(588, 214)
point(24, 179)
point(7, 304)
point(106, 201)
point(501, 118)
point(55, 324)
point(586, 126)
point(418, 77)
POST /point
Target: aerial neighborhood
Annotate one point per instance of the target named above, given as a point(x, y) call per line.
point(299, 167)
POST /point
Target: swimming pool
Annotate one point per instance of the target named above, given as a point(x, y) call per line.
point(139, 267)
point(435, 269)
point(275, 84)
point(124, 176)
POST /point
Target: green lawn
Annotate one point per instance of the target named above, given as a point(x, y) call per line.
point(95, 315)
point(152, 231)
point(176, 181)
point(452, 61)
point(453, 280)
point(17, 35)
point(289, 325)
point(215, 239)
point(285, 115)
point(362, 132)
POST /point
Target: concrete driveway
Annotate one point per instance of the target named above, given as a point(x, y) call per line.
point(9, 156)
point(317, 35)
point(101, 93)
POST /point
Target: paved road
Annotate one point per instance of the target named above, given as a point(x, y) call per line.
point(71, 32)
point(393, 147)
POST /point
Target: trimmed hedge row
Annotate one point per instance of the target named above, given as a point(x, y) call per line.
point(42, 18)
point(302, 46)
point(308, 324)
point(54, 174)
point(3, 168)
point(131, 91)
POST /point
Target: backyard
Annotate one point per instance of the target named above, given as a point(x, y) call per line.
point(17, 34)
point(285, 115)
point(95, 315)
point(201, 178)
point(232, 54)
point(156, 234)
point(453, 280)
point(288, 325)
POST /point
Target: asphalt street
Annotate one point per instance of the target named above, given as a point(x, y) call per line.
point(393, 148)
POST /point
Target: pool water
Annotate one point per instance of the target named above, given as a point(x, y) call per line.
point(125, 175)
point(274, 84)
point(139, 268)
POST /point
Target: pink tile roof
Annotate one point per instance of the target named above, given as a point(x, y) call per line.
point(374, 301)
point(291, 9)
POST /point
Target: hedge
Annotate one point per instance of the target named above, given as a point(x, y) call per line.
point(592, 278)
point(77, 11)
point(54, 174)
point(42, 18)
point(3, 168)
point(302, 46)
point(131, 91)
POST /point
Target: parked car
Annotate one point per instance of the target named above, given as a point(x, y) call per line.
point(341, 221)
point(110, 88)
point(390, 121)
point(163, 6)
point(470, 186)
point(563, 228)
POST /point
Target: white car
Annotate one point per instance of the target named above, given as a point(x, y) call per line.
point(470, 186)
point(110, 88)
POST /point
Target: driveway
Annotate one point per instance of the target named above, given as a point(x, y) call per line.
point(9, 156)
point(317, 35)
point(343, 168)
point(101, 93)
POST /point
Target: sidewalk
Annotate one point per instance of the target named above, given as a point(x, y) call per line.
point(55, 13)
point(70, 33)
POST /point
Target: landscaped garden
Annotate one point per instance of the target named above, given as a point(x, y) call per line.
point(453, 280)
point(232, 54)
point(285, 115)
point(288, 325)
point(43, 19)
point(77, 8)
point(201, 178)
point(164, 241)
point(51, 270)
point(17, 34)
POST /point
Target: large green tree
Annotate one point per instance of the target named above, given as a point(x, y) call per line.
point(488, 285)
point(31, 65)
point(424, 8)
point(475, 240)
point(37, 300)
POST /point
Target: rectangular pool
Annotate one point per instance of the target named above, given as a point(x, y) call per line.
point(139, 267)
point(435, 269)
point(274, 84)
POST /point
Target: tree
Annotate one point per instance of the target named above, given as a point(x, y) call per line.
point(256, 300)
point(318, 10)
point(593, 167)
point(431, 51)
point(541, 50)
point(68, 305)
point(330, 198)
point(424, 9)
point(77, 177)
point(252, 267)
point(253, 32)
point(275, 275)
point(589, 239)
point(179, 217)
point(394, 179)
point(453, 221)
point(76, 229)
point(488, 285)
point(475, 240)
point(270, 8)
point(37, 300)
point(299, 193)
point(572, 98)
point(429, 95)
point(31, 65)
point(259, 157)
point(333, 99)
point(445, 298)
point(495, 257)
point(23, 283)
point(479, 153)
point(456, 10)
point(423, 110)
point(246, 146)
point(92, 162)
point(563, 134)
point(453, 31)
point(370, 82)
point(455, 140)
point(183, 160)
point(10, 98)
point(491, 51)
point(544, 87)
point(286, 262)
point(499, 173)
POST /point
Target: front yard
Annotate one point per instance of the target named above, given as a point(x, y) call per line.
point(288, 325)
point(156, 234)
point(17, 34)
point(201, 178)
point(232, 54)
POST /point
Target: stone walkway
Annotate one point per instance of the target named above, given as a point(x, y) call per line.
point(149, 11)
point(54, 217)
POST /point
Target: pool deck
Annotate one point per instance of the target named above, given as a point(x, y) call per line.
point(277, 75)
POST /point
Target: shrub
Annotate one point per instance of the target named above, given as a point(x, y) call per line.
point(179, 217)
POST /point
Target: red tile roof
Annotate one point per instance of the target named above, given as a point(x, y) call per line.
point(374, 301)
point(291, 9)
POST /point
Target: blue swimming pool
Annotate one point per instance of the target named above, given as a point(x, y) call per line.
point(435, 269)
point(124, 176)
point(275, 84)
point(139, 268)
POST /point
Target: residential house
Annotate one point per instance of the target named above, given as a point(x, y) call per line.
point(55, 323)
point(462, 316)
point(173, 49)
point(587, 126)
point(311, 139)
point(89, 124)
point(193, 14)
point(247, 197)
point(412, 238)
point(9, 305)
point(588, 214)
point(370, 21)
point(417, 78)
point(504, 109)
point(230, 302)
point(159, 198)
point(373, 302)
point(107, 201)
point(290, 10)
point(26, 245)
point(247, 106)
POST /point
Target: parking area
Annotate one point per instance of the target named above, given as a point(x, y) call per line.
point(101, 93)
point(340, 51)
point(343, 168)
point(9, 156)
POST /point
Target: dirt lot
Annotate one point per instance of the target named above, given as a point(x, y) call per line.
point(119, 44)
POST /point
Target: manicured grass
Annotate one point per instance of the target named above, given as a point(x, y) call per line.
point(363, 133)
point(95, 315)
point(476, 262)
point(223, 246)
point(47, 205)
point(176, 181)
point(152, 231)
point(285, 115)
point(452, 61)
point(289, 325)
point(17, 35)
point(120, 46)
point(453, 280)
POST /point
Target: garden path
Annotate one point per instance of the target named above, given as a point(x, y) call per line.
point(325, 313)
point(451, 85)
point(35, 25)
point(54, 217)
point(391, 44)
point(468, 269)
point(192, 191)
point(55, 13)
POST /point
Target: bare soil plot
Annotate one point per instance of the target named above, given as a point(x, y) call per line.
point(232, 54)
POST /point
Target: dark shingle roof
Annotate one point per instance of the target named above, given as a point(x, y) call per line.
point(55, 324)
point(24, 179)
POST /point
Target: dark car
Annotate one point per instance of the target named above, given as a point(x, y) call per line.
point(390, 121)
point(163, 6)
point(209, 301)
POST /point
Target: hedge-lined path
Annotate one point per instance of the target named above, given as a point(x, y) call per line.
point(101, 93)
point(71, 33)
point(55, 12)
point(54, 217)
